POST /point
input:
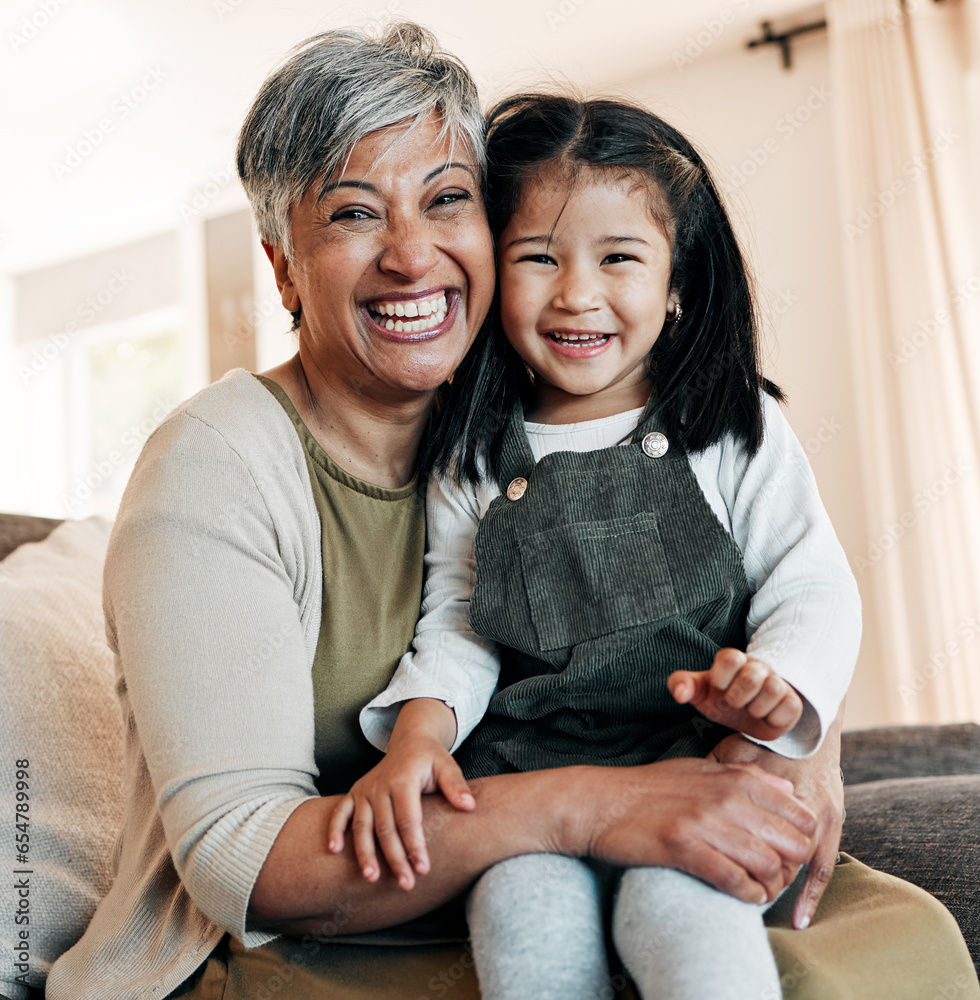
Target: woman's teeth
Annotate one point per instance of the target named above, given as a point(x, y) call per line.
point(579, 339)
point(430, 312)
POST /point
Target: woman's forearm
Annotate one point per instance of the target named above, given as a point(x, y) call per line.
point(817, 782)
point(724, 823)
point(302, 885)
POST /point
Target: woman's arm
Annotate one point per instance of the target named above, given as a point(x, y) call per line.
point(731, 825)
point(208, 573)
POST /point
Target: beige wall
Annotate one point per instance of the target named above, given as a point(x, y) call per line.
point(769, 134)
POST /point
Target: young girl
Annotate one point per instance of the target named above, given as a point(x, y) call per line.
point(622, 530)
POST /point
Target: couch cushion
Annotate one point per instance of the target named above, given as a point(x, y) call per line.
point(927, 831)
point(16, 529)
point(910, 752)
point(61, 736)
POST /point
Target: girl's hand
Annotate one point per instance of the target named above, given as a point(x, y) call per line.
point(386, 803)
point(741, 693)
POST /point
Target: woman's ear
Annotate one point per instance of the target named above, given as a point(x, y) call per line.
point(284, 280)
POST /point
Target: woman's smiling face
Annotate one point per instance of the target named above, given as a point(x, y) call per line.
point(584, 289)
point(393, 266)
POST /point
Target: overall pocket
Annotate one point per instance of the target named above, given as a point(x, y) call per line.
point(592, 578)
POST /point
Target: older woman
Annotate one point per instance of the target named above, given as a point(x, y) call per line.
point(265, 574)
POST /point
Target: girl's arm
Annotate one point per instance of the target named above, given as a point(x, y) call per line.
point(805, 615)
point(448, 661)
point(386, 803)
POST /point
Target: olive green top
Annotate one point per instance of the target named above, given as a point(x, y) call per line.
point(372, 541)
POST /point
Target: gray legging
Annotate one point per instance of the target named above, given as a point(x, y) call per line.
point(537, 927)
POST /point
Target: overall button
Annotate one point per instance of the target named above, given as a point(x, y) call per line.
point(517, 488)
point(655, 444)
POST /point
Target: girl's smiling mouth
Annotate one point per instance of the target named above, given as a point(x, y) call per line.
point(578, 343)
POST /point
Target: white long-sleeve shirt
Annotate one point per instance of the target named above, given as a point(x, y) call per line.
point(804, 617)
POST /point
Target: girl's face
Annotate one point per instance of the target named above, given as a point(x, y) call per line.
point(584, 276)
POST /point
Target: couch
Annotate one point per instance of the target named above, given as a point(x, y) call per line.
point(912, 796)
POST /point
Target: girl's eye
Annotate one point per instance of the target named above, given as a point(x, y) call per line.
point(617, 258)
point(537, 258)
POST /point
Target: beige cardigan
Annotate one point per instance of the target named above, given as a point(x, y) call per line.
point(217, 531)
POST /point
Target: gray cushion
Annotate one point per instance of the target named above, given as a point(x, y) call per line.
point(910, 752)
point(16, 529)
point(927, 831)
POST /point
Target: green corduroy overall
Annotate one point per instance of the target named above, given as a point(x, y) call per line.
point(607, 573)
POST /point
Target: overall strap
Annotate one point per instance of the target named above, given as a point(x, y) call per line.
point(649, 424)
point(516, 458)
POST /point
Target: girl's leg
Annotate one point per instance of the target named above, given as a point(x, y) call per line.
point(682, 939)
point(536, 926)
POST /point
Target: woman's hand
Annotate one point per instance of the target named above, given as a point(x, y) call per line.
point(817, 783)
point(387, 802)
point(741, 693)
point(733, 825)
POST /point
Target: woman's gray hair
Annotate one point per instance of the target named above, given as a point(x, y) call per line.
point(334, 89)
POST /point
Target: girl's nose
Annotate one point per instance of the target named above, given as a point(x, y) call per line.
point(576, 293)
point(410, 250)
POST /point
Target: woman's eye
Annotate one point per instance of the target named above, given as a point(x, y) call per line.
point(350, 215)
point(450, 197)
point(617, 258)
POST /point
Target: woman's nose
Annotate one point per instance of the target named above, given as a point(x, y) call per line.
point(410, 249)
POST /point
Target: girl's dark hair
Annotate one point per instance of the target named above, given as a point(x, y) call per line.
point(704, 367)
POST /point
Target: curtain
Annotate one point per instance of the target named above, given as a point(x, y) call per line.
point(906, 84)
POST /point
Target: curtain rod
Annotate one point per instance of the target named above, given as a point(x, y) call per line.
point(784, 38)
